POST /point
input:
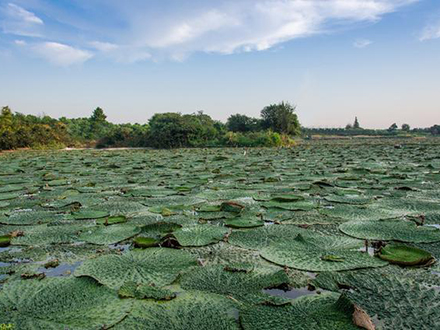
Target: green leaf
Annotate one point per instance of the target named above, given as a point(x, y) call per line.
point(105, 235)
point(399, 230)
point(153, 266)
point(61, 303)
point(200, 235)
point(89, 214)
point(319, 253)
point(243, 286)
point(405, 255)
point(190, 310)
point(320, 312)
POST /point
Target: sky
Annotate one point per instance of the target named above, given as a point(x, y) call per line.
point(378, 60)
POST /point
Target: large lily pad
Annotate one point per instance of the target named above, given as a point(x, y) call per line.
point(405, 255)
point(60, 303)
point(153, 266)
point(321, 312)
point(105, 235)
point(199, 310)
point(200, 235)
point(320, 253)
point(242, 286)
point(398, 230)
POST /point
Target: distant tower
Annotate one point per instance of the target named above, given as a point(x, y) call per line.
point(356, 123)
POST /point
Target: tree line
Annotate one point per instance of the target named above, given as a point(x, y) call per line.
point(277, 126)
point(355, 129)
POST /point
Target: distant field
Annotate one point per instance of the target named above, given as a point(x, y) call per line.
point(294, 238)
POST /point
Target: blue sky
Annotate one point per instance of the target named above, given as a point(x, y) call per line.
point(335, 59)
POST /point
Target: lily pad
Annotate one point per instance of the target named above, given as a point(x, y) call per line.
point(320, 253)
point(398, 230)
point(90, 214)
point(244, 222)
point(105, 235)
point(200, 235)
point(405, 255)
point(61, 303)
point(153, 266)
point(242, 286)
point(190, 310)
point(321, 312)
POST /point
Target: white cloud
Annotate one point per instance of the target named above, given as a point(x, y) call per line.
point(61, 54)
point(231, 26)
point(431, 31)
point(362, 43)
point(103, 46)
point(20, 21)
point(23, 14)
point(20, 42)
point(138, 30)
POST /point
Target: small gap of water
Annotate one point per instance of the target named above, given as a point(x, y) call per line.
point(3, 249)
point(434, 225)
point(60, 270)
point(4, 264)
point(120, 247)
point(268, 223)
point(370, 250)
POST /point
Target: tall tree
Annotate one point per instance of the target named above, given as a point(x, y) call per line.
point(281, 118)
point(405, 127)
point(243, 123)
point(98, 123)
point(393, 127)
point(356, 123)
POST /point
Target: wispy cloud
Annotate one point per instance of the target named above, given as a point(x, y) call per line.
point(362, 43)
point(61, 54)
point(139, 30)
point(431, 31)
point(19, 21)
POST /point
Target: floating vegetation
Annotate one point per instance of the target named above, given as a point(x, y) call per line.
point(323, 236)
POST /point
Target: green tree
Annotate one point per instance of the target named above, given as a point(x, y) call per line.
point(281, 118)
point(405, 127)
point(98, 123)
point(243, 123)
point(6, 118)
point(356, 123)
point(393, 127)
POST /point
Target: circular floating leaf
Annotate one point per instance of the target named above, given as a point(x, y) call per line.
point(8, 196)
point(45, 235)
point(112, 220)
point(244, 222)
point(320, 312)
point(405, 255)
point(361, 213)
point(320, 253)
point(291, 206)
point(61, 303)
point(4, 204)
point(348, 199)
point(387, 230)
point(258, 238)
point(5, 240)
point(89, 214)
point(145, 242)
point(105, 235)
point(153, 266)
point(200, 235)
point(30, 217)
point(191, 310)
point(242, 286)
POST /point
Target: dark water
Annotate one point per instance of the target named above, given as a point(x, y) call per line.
point(292, 293)
point(61, 270)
